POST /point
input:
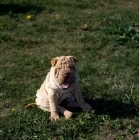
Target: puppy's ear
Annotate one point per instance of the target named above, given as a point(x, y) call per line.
point(73, 59)
point(54, 61)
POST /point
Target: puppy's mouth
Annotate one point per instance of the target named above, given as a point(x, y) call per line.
point(65, 84)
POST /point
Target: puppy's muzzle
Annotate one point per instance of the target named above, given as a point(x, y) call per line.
point(66, 78)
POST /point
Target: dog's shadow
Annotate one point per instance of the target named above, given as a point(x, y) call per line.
point(115, 109)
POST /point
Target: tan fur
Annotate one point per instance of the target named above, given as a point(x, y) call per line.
point(30, 105)
point(60, 83)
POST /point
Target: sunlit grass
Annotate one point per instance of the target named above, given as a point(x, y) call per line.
point(33, 32)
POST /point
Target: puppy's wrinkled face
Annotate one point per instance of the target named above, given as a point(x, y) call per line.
point(65, 71)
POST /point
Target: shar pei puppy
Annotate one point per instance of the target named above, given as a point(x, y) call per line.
point(61, 83)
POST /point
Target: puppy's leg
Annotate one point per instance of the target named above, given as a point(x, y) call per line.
point(80, 99)
point(66, 113)
point(53, 106)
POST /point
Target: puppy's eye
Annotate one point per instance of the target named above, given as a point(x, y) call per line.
point(58, 68)
point(71, 67)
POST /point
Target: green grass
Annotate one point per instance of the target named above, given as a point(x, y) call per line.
point(108, 67)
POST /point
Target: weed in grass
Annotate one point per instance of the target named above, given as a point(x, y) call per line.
point(126, 33)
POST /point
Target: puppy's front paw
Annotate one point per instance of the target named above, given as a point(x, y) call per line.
point(68, 114)
point(54, 117)
point(86, 107)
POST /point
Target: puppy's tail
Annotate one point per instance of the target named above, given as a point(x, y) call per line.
point(30, 105)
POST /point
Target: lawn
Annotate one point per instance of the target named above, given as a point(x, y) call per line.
point(104, 37)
